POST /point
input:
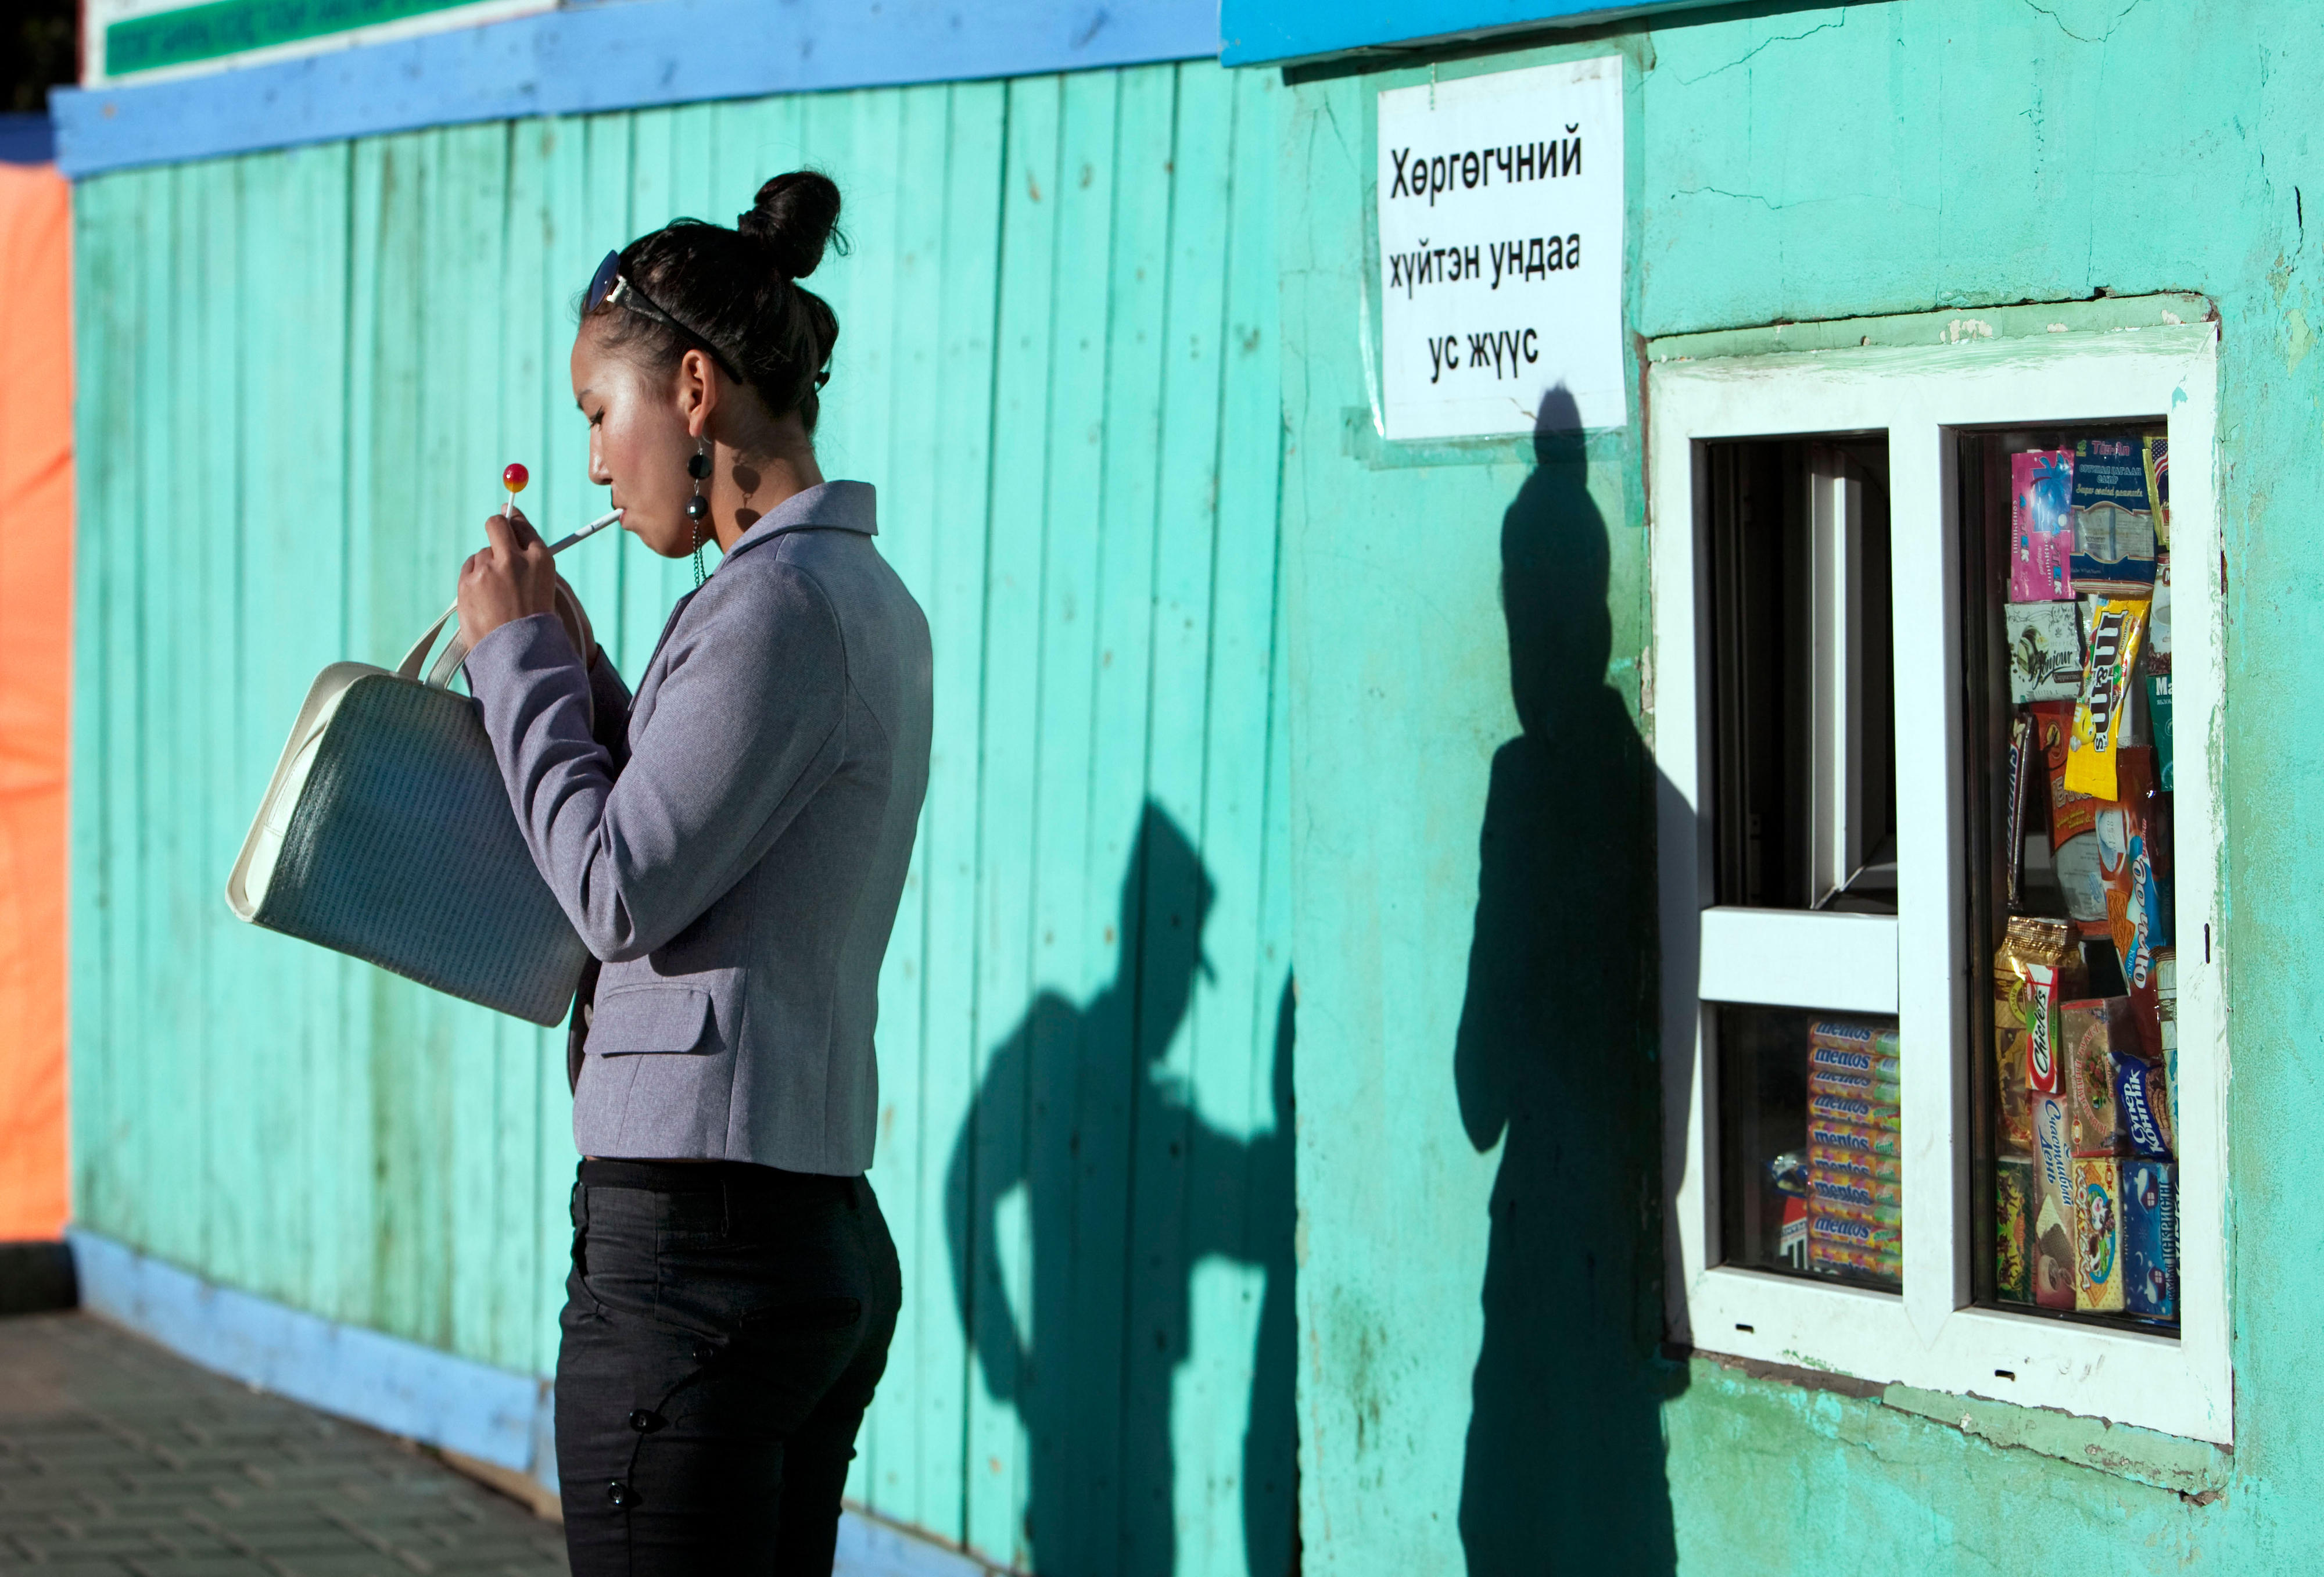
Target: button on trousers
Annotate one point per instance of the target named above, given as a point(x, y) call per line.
point(723, 1328)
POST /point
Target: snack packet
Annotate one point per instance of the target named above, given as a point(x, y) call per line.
point(2099, 1036)
point(1861, 1166)
point(1853, 1138)
point(2158, 619)
point(2041, 526)
point(2050, 1242)
point(2113, 518)
point(1830, 1255)
point(2150, 1239)
point(1845, 1187)
point(2012, 1221)
point(2072, 817)
point(2097, 1228)
point(2092, 747)
point(2012, 1116)
point(2045, 651)
point(2037, 968)
point(2157, 456)
point(2021, 774)
point(2142, 1091)
point(2158, 712)
point(1852, 1109)
point(1877, 1039)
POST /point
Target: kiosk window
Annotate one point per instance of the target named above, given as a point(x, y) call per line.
point(1944, 1048)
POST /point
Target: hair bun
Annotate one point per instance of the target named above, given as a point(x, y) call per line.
point(795, 218)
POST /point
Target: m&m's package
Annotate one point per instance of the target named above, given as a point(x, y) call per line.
point(2093, 747)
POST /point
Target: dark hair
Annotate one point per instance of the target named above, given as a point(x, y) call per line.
point(737, 294)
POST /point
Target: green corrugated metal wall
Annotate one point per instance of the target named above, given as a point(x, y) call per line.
point(301, 374)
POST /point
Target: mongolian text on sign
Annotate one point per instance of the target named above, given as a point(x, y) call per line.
point(1500, 241)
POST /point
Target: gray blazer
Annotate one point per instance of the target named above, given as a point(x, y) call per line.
point(736, 853)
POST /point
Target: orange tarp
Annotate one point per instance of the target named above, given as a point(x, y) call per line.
point(36, 525)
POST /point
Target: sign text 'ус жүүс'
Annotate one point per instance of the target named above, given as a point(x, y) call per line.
point(1500, 244)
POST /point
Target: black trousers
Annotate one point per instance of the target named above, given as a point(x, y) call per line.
point(724, 1326)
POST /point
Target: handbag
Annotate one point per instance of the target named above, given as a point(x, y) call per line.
point(386, 834)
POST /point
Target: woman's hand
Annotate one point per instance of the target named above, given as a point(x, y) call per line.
point(514, 578)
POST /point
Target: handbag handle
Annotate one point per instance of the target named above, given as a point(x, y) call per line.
point(455, 650)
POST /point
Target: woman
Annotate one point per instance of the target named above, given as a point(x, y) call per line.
point(732, 845)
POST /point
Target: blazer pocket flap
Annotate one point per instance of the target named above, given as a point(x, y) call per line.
point(650, 1018)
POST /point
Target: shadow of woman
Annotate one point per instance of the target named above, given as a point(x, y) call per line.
point(1553, 1060)
point(1126, 1188)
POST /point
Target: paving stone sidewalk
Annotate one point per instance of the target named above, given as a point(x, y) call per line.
point(118, 1459)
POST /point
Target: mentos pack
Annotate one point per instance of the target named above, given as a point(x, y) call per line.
point(2150, 1239)
point(1875, 1039)
point(1825, 1226)
point(1854, 1185)
point(1839, 1161)
point(1851, 1138)
point(1851, 1108)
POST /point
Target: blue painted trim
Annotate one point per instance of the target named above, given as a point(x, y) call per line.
point(1254, 32)
point(26, 139)
point(385, 1382)
point(397, 1386)
point(624, 55)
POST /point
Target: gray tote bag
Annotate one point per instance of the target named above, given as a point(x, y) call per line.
point(387, 834)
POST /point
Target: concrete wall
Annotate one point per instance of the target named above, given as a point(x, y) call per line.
point(1478, 1166)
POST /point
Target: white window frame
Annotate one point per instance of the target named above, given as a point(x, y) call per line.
point(1913, 965)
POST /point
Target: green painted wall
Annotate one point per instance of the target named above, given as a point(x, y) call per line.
point(300, 375)
point(1477, 1168)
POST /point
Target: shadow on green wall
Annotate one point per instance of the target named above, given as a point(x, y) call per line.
point(1129, 1188)
point(1552, 1061)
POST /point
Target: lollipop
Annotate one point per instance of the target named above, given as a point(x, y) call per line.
point(513, 479)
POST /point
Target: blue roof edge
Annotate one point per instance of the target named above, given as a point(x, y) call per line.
point(628, 55)
point(1283, 33)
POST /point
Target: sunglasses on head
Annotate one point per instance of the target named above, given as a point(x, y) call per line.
point(609, 286)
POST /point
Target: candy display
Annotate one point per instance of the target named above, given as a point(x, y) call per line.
point(2098, 1236)
point(2080, 923)
point(1855, 1176)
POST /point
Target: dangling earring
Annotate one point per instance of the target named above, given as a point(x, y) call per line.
point(698, 508)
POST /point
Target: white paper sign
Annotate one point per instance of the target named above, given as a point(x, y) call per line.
point(1501, 240)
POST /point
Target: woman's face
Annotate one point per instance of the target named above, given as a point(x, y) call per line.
point(638, 442)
